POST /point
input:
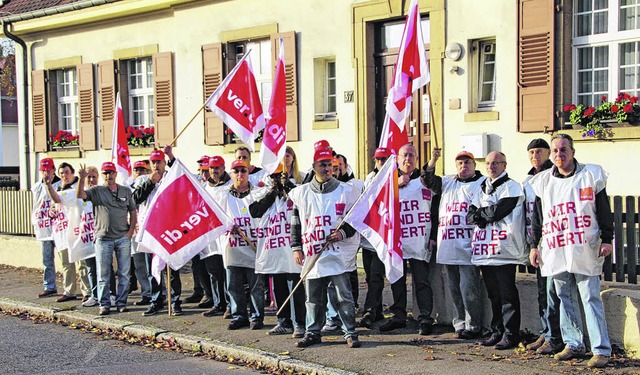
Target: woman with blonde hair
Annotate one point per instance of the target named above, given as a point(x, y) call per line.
point(291, 162)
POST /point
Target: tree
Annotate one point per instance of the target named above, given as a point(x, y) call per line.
point(7, 67)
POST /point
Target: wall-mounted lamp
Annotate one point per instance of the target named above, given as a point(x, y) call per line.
point(453, 51)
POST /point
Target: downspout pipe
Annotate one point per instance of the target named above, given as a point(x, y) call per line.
point(25, 93)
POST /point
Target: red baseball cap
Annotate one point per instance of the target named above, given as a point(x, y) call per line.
point(156, 155)
point(216, 161)
point(204, 165)
point(203, 158)
point(321, 145)
point(465, 155)
point(239, 164)
point(322, 155)
point(46, 164)
point(141, 164)
point(382, 152)
point(108, 166)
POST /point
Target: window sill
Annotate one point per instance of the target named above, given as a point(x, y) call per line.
point(139, 151)
point(65, 153)
point(617, 133)
point(481, 116)
point(322, 125)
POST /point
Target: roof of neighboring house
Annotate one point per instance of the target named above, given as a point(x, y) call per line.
point(17, 7)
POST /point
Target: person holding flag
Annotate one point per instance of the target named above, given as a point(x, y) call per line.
point(454, 239)
point(325, 247)
point(146, 188)
point(416, 211)
point(113, 205)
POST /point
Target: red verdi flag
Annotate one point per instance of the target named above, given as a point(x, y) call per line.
point(410, 74)
point(120, 147)
point(275, 133)
point(182, 218)
point(237, 103)
point(376, 216)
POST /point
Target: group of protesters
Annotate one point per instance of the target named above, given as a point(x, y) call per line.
point(288, 225)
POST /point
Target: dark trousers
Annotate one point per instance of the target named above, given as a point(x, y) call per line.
point(200, 285)
point(421, 287)
point(355, 286)
point(282, 285)
point(505, 300)
point(549, 309)
point(157, 290)
point(374, 276)
point(217, 279)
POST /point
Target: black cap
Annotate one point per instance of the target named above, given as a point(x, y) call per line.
point(538, 143)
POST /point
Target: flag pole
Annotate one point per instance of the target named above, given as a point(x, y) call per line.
point(244, 236)
point(187, 125)
point(168, 285)
point(431, 116)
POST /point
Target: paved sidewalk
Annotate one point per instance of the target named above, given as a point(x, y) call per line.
point(402, 351)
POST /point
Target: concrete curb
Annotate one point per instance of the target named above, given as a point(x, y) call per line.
point(186, 342)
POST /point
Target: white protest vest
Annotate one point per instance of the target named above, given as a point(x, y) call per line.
point(236, 251)
point(80, 235)
point(40, 219)
point(61, 220)
point(214, 247)
point(320, 214)
point(260, 178)
point(454, 233)
point(570, 232)
point(143, 208)
point(500, 242)
point(273, 233)
point(415, 220)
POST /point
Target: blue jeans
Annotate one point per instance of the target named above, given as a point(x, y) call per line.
point(316, 290)
point(548, 309)
point(463, 282)
point(237, 277)
point(141, 273)
point(104, 259)
point(570, 287)
point(92, 273)
point(49, 263)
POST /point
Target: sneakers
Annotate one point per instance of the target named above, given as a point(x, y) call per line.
point(353, 342)
point(65, 298)
point(567, 353)
point(90, 302)
point(392, 324)
point(506, 343)
point(152, 310)
point(536, 344)
point(425, 329)
point(279, 329)
point(549, 348)
point(256, 325)
point(104, 311)
point(366, 321)
point(144, 301)
point(48, 293)
point(598, 361)
point(213, 312)
point(237, 324)
point(176, 309)
point(298, 332)
point(491, 340)
point(308, 340)
point(330, 327)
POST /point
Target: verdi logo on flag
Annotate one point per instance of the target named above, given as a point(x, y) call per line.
point(237, 103)
point(186, 217)
point(120, 147)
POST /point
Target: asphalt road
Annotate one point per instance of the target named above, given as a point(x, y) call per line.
point(27, 347)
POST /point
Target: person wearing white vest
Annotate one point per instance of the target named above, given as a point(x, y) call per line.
point(373, 266)
point(572, 232)
point(550, 339)
point(239, 252)
point(416, 211)
point(272, 212)
point(42, 224)
point(146, 188)
point(497, 247)
point(320, 207)
point(454, 239)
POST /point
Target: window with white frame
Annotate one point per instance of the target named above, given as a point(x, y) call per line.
point(486, 75)
point(606, 34)
point(330, 88)
point(140, 79)
point(261, 65)
point(67, 92)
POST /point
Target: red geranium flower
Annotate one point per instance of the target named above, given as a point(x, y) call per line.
point(566, 108)
point(603, 99)
point(614, 109)
point(633, 99)
point(589, 111)
point(628, 108)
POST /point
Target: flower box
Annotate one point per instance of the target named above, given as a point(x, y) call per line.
point(599, 122)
